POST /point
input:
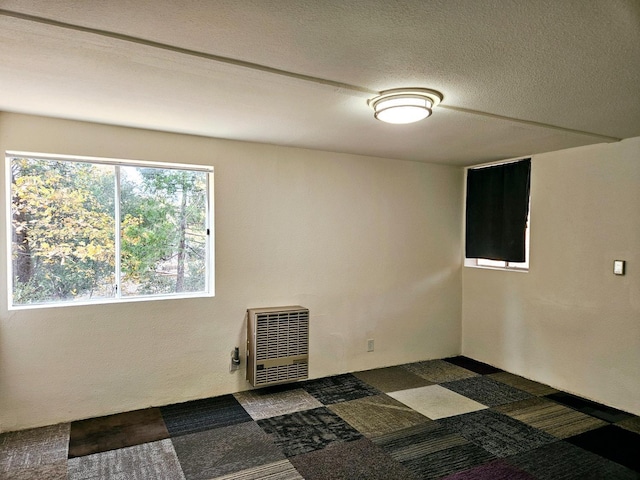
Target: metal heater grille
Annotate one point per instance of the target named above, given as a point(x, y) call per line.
point(277, 345)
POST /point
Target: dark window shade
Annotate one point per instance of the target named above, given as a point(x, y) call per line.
point(497, 208)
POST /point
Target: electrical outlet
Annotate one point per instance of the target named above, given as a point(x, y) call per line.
point(370, 345)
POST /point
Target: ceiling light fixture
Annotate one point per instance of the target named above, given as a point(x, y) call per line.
point(404, 105)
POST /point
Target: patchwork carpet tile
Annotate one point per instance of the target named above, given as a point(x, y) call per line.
point(435, 401)
point(495, 470)
point(265, 403)
point(309, 430)
point(594, 409)
point(392, 379)
point(377, 415)
point(212, 453)
point(432, 451)
point(473, 365)
point(487, 391)
point(521, 383)
point(563, 461)
point(438, 371)
point(415, 442)
point(200, 415)
point(551, 417)
point(282, 470)
point(116, 431)
point(35, 453)
point(497, 433)
point(614, 443)
point(340, 388)
point(155, 460)
point(632, 424)
point(360, 459)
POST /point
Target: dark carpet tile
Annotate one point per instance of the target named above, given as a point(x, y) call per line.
point(521, 383)
point(116, 431)
point(497, 433)
point(225, 450)
point(339, 388)
point(473, 365)
point(360, 459)
point(487, 391)
point(615, 443)
point(415, 442)
point(495, 470)
point(309, 430)
point(392, 379)
point(200, 415)
point(445, 462)
point(563, 461)
point(590, 408)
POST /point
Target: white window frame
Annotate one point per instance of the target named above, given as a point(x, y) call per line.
point(209, 290)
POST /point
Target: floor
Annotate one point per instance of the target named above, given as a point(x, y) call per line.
point(454, 418)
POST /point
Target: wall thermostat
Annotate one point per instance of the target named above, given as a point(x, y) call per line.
point(618, 267)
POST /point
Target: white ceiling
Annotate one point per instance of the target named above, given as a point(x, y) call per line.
point(518, 76)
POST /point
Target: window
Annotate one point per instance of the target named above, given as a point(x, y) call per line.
point(95, 230)
point(497, 216)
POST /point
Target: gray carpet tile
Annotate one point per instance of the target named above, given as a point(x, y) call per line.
point(282, 470)
point(360, 459)
point(378, 415)
point(563, 461)
point(116, 431)
point(589, 407)
point(497, 433)
point(487, 391)
point(415, 442)
point(473, 365)
point(309, 430)
point(632, 424)
point(200, 415)
point(28, 452)
point(212, 453)
point(521, 383)
point(438, 371)
point(52, 471)
point(340, 388)
point(392, 379)
point(149, 461)
point(265, 403)
point(550, 417)
point(494, 470)
point(445, 462)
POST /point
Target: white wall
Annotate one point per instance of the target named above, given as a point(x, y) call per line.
point(371, 246)
point(569, 322)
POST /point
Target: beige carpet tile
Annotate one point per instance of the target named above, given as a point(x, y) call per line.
point(267, 403)
point(550, 417)
point(439, 371)
point(282, 470)
point(521, 383)
point(155, 460)
point(38, 451)
point(435, 401)
point(392, 379)
point(631, 424)
point(377, 415)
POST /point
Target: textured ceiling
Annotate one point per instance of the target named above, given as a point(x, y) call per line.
point(518, 76)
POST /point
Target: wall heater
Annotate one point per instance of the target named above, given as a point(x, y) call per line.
point(277, 345)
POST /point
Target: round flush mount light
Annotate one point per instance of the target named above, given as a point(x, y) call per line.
point(404, 105)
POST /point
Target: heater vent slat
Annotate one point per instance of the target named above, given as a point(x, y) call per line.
point(278, 345)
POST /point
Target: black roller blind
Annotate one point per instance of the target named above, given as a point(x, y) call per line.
point(497, 209)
